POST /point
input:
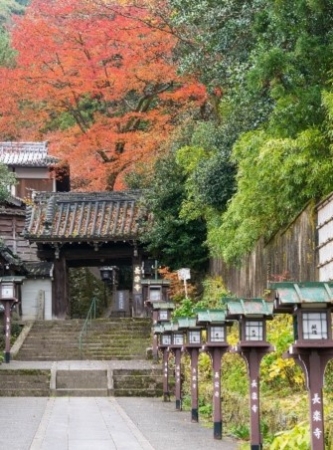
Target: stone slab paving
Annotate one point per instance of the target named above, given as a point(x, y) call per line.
point(168, 429)
point(19, 421)
point(79, 365)
point(100, 423)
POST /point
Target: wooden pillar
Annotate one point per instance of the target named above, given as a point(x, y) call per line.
point(194, 355)
point(166, 392)
point(313, 362)
point(60, 294)
point(253, 356)
point(178, 374)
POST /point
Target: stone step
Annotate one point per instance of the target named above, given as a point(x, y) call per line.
point(137, 383)
point(81, 379)
point(81, 393)
point(29, 383)
point(130, 392)
point(83, 382)
point(122, 338)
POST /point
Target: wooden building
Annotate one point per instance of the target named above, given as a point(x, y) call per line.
point(82, 229)
point(35, 169)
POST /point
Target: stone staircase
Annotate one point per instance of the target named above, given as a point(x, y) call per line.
point(49, 360)
point(105, 339)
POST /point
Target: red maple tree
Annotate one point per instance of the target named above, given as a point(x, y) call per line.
point(98, 81)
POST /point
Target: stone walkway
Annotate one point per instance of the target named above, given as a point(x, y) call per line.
point(98, 423)
point(101, 423)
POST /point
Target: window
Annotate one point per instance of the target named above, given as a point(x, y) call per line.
point(217, 334)
point(254, 330)
point(314, 325)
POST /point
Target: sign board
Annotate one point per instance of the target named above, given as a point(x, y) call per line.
point(184, 274)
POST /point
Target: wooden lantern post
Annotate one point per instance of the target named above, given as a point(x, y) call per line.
point(216, 345)
point(252, 346)
point(161, 312)
point(310, 304)
point(155, 291)
point(176, 347)
point(8, 300)
point(163, 331)
point(192, 346)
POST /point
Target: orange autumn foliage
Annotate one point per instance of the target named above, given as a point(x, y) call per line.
point(177, 289)
point(97, 81)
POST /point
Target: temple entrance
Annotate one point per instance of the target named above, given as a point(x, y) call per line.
point(99, 230)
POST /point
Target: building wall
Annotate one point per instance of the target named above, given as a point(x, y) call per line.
point(37, 299)
point(290, 255)
point(325, 238)
point(11, 226)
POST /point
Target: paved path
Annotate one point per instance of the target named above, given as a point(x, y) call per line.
point(100, 423)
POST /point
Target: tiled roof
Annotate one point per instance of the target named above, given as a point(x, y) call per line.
point(11, 212)
point(211, 316)
point(82, 216)
point(257, 307)
point(309, 292)
point(26, 154)
point(10, 257)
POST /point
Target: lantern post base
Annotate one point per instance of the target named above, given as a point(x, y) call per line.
point(178, 405)
point(7, 357)
point(194, 415)
point(218, 430)
point(166, 396)
point(256, 446)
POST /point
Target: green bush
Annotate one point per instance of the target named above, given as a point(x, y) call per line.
point(296, 438)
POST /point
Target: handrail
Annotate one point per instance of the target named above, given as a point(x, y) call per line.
point(90, 316)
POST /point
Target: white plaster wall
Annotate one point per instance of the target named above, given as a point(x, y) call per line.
point(31, 298)
point(325, 239)
point(32, 172)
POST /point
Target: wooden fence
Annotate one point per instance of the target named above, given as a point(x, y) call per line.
point(290, 255)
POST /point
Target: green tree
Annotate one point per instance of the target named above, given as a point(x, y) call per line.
point(8, 8)
point(7, 179)
point(272, 62)
point(210, 173)
point(174, 241)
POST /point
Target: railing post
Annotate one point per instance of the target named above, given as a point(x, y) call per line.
point(92, 312)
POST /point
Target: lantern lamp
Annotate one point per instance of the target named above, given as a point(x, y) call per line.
point(254, 330)
point(7, 290)
point(310, 304)
point(215, 322)
point(162, 311)
point(155, 290)
point(252, 315)
point(165, 337)
point(178, 339)
point(193, 331)
point(165, 340)
point(314, 325)
point(194, 337)
point(109, 274)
